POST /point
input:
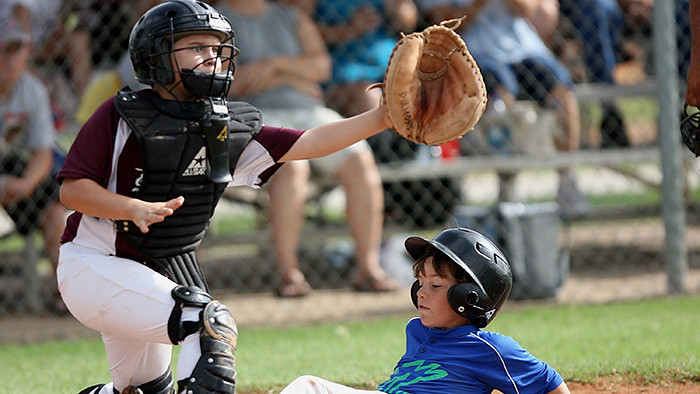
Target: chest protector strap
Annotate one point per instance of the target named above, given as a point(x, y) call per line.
point(177, 162)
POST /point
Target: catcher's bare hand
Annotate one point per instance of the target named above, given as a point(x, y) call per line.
point(144, 214)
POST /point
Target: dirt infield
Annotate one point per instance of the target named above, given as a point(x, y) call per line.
point(610, 384)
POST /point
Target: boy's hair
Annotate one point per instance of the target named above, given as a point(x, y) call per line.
point(442, 265)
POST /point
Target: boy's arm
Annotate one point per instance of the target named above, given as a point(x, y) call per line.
point(332, 137)
point(562, 389)
point(86, 196)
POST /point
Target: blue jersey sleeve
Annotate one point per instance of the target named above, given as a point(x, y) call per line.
point(514, 370)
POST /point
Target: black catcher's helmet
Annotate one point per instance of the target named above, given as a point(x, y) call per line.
point(152, 38)
point(690, 128)
point(490, 277)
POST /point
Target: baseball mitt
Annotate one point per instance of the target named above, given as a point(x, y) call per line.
point(433, 90)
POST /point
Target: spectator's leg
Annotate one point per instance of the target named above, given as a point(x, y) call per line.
point(51, 230)
point(566, 105)
point(365, 204)
point(287, 190)
point(573, 203)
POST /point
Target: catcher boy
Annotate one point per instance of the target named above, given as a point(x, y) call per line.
point(144, 176)
point(462, 280)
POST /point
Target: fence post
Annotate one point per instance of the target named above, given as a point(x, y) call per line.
point(666, 64)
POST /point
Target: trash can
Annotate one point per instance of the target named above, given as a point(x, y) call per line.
point(528, 234)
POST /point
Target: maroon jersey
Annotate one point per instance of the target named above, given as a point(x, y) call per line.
point(107, 152)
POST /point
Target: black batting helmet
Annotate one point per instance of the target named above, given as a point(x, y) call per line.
point(488, 272)
point(153, 36)
point(690, 128)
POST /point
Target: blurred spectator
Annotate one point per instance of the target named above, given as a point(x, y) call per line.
point(360, 35)
point(544, 16)
point(28, 190)
point(60, 53)
point(516, 64)
point(280, 71)
point(599, 25)
point(108, 23)
point(692, 95)
point(640, 12)
point(107, 82)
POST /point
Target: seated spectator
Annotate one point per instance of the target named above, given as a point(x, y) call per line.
point(28, 189)
point(280, 71)
point(516, 64)
point(599, 25)
point(60, 53)
point(360, 35)
point(108, 82)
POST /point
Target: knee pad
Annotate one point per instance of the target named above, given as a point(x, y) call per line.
point(215, 370)
point(185, 296)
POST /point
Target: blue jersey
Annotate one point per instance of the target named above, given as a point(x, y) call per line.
point(466, 359)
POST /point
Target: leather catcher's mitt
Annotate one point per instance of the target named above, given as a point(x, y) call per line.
point(433, 89)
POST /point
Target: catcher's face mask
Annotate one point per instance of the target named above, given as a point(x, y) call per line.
point(690, 128)
point(152, 40)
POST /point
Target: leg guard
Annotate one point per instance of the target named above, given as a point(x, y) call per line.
point(93, 389)
point(165, 384)
point(215, 370)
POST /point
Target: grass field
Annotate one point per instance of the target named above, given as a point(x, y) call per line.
point(651, 341)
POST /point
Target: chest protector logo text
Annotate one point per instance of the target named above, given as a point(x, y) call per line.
point(198, 166)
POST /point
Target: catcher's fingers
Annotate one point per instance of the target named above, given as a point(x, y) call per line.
point(175, 203)
point(148, 213)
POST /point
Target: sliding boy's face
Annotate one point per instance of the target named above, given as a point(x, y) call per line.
point(434, 309)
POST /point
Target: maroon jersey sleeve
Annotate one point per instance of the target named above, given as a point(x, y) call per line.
point(277, 140)
point(90, 155)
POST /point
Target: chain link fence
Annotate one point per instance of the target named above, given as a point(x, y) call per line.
point(595, 211)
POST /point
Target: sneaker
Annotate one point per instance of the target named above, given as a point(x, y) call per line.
point(572, 202)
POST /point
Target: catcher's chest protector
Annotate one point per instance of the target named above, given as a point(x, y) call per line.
point(175, 161)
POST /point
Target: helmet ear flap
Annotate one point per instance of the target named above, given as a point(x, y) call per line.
point(414, 293)
point(464, 298)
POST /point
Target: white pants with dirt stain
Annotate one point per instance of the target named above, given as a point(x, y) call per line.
point(308, 384)
point(129, 304)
